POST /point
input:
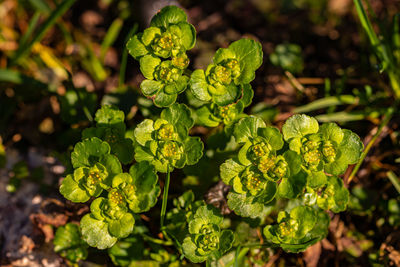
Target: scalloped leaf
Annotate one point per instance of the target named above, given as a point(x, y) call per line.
point(95, 232)
point(88, 152)
point(247, 128)
point(69, 244)
point(299, 126)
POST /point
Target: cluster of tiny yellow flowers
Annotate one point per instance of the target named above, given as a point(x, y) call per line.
point(116, 198)
point(224, 111)
point(166, 133)
point(95, 177)
point(286, 228)
point(260, 150)
point(169, 150)
point(180, 62)
point(165, 42)
point(329, 151)
point(232, 63)
point(209, 242)
point(223, 74)
point(266, 164)
point(312, 157)
point(253, 183)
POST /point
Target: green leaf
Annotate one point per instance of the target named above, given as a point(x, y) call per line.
point(178, 113)
point(272, 136)
point(124, 150)
point(95, 232)
point(230, 169)
point(199, 85)
point(189, 250)
point(148, 65)
point(143, 154)
point(247, 95)
point(145, 180)
point(293, 186)
point(149, 34)
point(193, 150)
point(176, 87)
point(210, 214)
point(316, 179)
point(335, 196)
point(230, 96)
point(205, 117)
point(135, 47)
point(143, 132)
point(68, 243)
point(188, 35)
point(151, 87)
point(167, 16)
point(164, 100)
point(109, 115)
point(72, 191)
point(123, 227)
point(306, 218)
point(332, 132)
point(299, 126)
point(249, 54)
point(350, 150)
point(247, 128)
point(250, 206)
point(88, 152)
point(113, 166)
point(226, 240)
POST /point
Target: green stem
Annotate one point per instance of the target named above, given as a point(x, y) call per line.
point(157, 241)
point(208, 263)
point(165, 198)
point(124, 58)
point(394, 179)
point(384, 122)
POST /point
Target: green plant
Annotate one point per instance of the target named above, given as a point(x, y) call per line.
point(291, 176)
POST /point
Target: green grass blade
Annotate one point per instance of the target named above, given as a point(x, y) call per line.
point(110, 37)
point(327, 102)
point(394, 179)
point(31, 27)
point(124, 59)
point(341, 116)
point(59, 11)
point(41, 6)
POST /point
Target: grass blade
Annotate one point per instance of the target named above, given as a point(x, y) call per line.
point(327, 102)
point(394, 179)
point(59, 11)
point(110, 37)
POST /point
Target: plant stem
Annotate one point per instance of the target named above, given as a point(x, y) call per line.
point(385, 121)
point(165, 198)
point(394, 179)
point(157, 241)
point(208, 263)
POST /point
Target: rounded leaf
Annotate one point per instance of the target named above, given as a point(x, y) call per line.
point(88, 152)
point(199, 85)
point(167, 16)
point(299, 126)
point(95, 232)
point(72, 191)
point(247, 128)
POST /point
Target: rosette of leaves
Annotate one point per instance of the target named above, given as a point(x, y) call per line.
point(326, 149)
point(112, 218)
point(110, 127)
point(333, 196)
point(233, 67)
point(298, 229)
point(165, 142)
point(257, 168)
point(69, 244)
point(161, 51)
point(212, 115)
point(94, 170)
point(206, 241)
